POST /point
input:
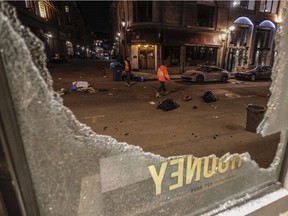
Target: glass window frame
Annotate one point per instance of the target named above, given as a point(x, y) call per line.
point(244, 4)
point(200, 55)
point(282, 176)
point(269, 6)
point(170, 53)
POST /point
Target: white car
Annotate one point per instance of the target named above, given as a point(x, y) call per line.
point(206, 73)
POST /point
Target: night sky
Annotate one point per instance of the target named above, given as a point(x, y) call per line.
point(96, 13)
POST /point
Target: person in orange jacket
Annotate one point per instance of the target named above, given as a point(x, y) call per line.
point(162, 75)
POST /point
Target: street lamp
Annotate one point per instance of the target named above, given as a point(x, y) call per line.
point(123, 23)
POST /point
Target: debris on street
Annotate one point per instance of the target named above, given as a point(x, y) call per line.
point(63, 91)
point(167, 105)
point(152, 102)
point(139, 79)
point(209, 97)
point(215, 107)
point(82, 86)
point(240, 82)
point(195, 107)
point(187, 98)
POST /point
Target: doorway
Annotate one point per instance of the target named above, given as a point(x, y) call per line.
point(146, 57)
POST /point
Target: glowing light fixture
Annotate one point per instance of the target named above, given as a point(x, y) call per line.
point(278, 19)
point(232, 28)
point(123, 23)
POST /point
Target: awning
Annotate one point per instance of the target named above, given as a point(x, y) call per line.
point(193, 38)
point(173, 37)
point(143, 36)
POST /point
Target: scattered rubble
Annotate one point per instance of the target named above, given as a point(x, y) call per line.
point(82, 86)
point(187, 98)
point(240, 82)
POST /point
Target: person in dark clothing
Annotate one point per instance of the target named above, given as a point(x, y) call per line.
point(127, 68)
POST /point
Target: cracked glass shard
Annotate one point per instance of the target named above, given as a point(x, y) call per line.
point(78, 172)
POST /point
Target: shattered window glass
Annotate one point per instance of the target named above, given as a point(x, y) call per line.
point(78, 172)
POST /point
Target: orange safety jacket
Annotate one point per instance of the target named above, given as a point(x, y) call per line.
point(162, 73)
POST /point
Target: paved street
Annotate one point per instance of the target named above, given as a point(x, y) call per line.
point(129, 114)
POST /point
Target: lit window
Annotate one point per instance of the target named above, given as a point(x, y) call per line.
point(42, 9)
point(27, 3)
point(244, 4)
point(66, 9)
point(269, 6)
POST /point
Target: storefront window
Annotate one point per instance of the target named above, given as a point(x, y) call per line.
point(78, 172)
point(172, 55)
point(239, 36)
point(196, 55)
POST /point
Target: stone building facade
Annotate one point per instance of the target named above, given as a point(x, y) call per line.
point(192, 33)
point(58, 24)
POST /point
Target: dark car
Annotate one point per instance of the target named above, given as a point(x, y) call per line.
point(255, 73)
point(58, 58)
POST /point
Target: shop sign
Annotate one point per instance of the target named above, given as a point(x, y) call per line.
point(196, 170)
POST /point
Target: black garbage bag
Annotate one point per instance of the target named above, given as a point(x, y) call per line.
point(167, 105)
point(209, 97)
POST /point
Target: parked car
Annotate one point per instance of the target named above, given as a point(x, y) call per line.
point(58, 58)
point(206, 73)
point(255, 73)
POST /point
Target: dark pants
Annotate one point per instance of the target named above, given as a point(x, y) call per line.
point(162, 87)
point(128, 76)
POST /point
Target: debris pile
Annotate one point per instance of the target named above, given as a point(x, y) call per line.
point(209, 97)
point(82, 86)
point(167, 105)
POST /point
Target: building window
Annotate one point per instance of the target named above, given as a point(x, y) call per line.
point(196, 55)
point(262, 46)
point(42, 9)
point(190, 13)
point(142, 11)
point(205, 16)
point(27, 4)
point(66, 9)
point(172, 55)
point(269, 6)
point(248, 5)
point(239, 36)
